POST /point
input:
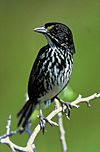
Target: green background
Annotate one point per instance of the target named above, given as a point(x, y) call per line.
point(19, 46)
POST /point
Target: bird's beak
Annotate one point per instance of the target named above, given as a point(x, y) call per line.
point(41, 29)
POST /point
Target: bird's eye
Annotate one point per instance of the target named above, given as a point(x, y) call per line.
point(50, 27)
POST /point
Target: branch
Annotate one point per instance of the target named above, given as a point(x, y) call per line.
point(30, 147)
point(6, 140)
point(85, 100)
point(61, 128)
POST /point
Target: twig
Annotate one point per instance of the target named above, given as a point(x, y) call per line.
point(61, 128)
point(85, 100)
point(6, 140)
point(30, 147)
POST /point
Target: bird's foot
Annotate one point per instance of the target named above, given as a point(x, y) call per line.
point(66, 107)
point(43, 122)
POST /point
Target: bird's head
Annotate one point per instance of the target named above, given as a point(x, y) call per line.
point(57, 34)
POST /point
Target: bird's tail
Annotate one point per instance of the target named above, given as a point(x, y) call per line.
point(25, 113)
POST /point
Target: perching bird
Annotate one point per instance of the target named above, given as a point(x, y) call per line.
point(51, 70)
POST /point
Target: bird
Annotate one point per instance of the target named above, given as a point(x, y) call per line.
point(50, 72)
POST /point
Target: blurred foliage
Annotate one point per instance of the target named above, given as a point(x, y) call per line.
point(18, 49)
point(67, 94)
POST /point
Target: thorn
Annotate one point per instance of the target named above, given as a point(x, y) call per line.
point(88, 104)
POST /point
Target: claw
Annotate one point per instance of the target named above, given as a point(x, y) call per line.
point(66, 107)
point(42, 123)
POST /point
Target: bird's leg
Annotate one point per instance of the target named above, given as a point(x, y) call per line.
point(67, 105)
point(44, 120)
point(41, 117)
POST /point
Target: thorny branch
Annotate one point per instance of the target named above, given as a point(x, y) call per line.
point(30, 147)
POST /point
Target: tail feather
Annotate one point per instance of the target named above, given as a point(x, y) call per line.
point(27, 116)
point(25, 113)
point(24, 109)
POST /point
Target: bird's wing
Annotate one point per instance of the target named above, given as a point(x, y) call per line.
point(35, 84)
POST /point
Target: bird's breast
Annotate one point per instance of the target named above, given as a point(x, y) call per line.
point(55, 79)
point(54, 74)
point(52, 92)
